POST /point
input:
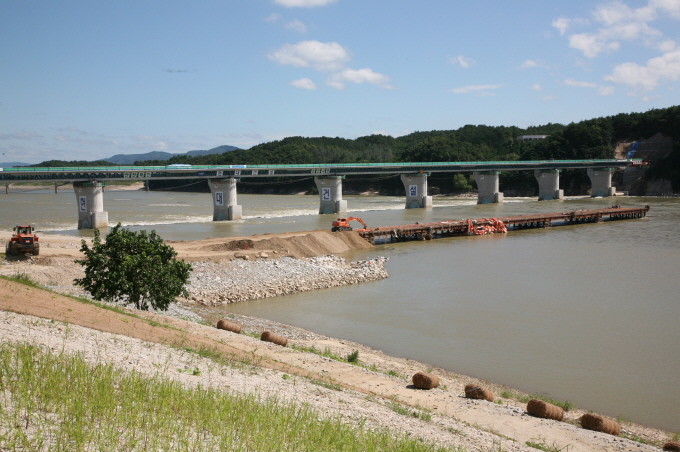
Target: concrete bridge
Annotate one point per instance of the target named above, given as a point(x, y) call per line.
point(88, 182)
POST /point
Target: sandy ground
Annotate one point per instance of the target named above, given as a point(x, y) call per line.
point(364, 393)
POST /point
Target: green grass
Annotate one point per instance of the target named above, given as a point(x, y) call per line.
point(524, 398)
point(61, 403)
point(540, 444)
point(353, 357)
point(22, 278)
point(407, 411)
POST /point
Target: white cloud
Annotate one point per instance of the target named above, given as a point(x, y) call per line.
point(528, 64)
point(671, 7)
point(296, 25)
point(322, 56)
point(480, 90)
point(562, 24)
point(591, 44)
point(365, 75)
point(537, 87)
point(619, 22)
point(649, 76)
point(462, 61)
point(303, 3)
point(667, 45)
point(304, 83)
point(572, 82)
point(606, 91)
point(272, 18)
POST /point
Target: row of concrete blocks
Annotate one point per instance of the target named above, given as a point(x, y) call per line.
point(91, 212)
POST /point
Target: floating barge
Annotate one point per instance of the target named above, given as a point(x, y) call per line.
point(483, 226)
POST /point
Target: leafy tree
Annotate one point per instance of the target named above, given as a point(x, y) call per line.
point(461, 183)
point(134, 268)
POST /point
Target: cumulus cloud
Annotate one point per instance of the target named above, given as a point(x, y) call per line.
point(272, 18)
point(527, 64)
point(606, 90)
point(462, 61)
point(562, 24)
point(296, 25)
point(328, 57)
point(649, 76)
point(304, 83)
point(303, 3)
point(572, 82)
point(338, 80)
point(619, 22)
point(322, 56)
point(480, 90)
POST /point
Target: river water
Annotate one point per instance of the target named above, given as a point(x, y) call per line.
point(583, 313)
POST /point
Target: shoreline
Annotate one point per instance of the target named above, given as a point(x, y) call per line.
point(388, 380)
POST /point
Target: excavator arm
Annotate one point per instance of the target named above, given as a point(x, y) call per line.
point(343, 224)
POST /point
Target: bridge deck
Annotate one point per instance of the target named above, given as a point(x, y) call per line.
point(103, 173)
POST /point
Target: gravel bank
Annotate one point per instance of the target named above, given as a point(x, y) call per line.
point(214, 283)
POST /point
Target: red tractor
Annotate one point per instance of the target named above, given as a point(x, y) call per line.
point(343, 224)
point(24, 241)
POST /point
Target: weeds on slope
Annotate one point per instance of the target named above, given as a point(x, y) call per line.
point(60, 402)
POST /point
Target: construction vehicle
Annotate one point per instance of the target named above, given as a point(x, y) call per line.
point(343, 224)
point(24, 241)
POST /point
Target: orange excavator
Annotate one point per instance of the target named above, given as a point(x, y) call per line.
point(343, 224)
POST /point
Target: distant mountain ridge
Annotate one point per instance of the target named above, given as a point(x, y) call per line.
point(130, 159)
point(11, 164)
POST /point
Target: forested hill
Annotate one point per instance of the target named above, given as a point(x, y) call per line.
point(590, 139)
point(594, 138)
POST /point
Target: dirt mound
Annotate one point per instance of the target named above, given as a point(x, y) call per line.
point(232, 245)
point(293, 244)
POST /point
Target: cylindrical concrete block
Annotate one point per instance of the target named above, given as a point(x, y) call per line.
point(330, 194)
point(416, 191)
point(548, 185)
point(225, 203)
point(488, 187)
point(90, 198)
point(601, 182)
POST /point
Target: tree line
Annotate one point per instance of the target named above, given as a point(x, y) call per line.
point(590, 139)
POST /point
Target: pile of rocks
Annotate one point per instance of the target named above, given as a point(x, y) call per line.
point(214, 283)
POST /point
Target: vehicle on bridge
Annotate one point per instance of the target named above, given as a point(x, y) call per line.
point(179, 166)
point(343, 224)
point(24, 241)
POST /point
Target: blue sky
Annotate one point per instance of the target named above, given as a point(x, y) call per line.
point(89, 79)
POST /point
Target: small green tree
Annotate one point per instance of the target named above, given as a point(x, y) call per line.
point(134, 268)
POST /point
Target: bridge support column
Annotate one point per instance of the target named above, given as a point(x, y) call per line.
point(90, 197)
point(601, 182)
point(548, 184)
point(225, 206)
point(330, 194)
point(487, 187)
point(416, 191)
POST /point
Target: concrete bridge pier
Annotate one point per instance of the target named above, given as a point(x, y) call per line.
point(487, 187)
point(90, 197)
point(330, 194)
point(601, 182)
point(548, 184)
point(225, 205)
point(416, 191)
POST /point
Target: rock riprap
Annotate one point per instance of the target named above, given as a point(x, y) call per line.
point(214, 283)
